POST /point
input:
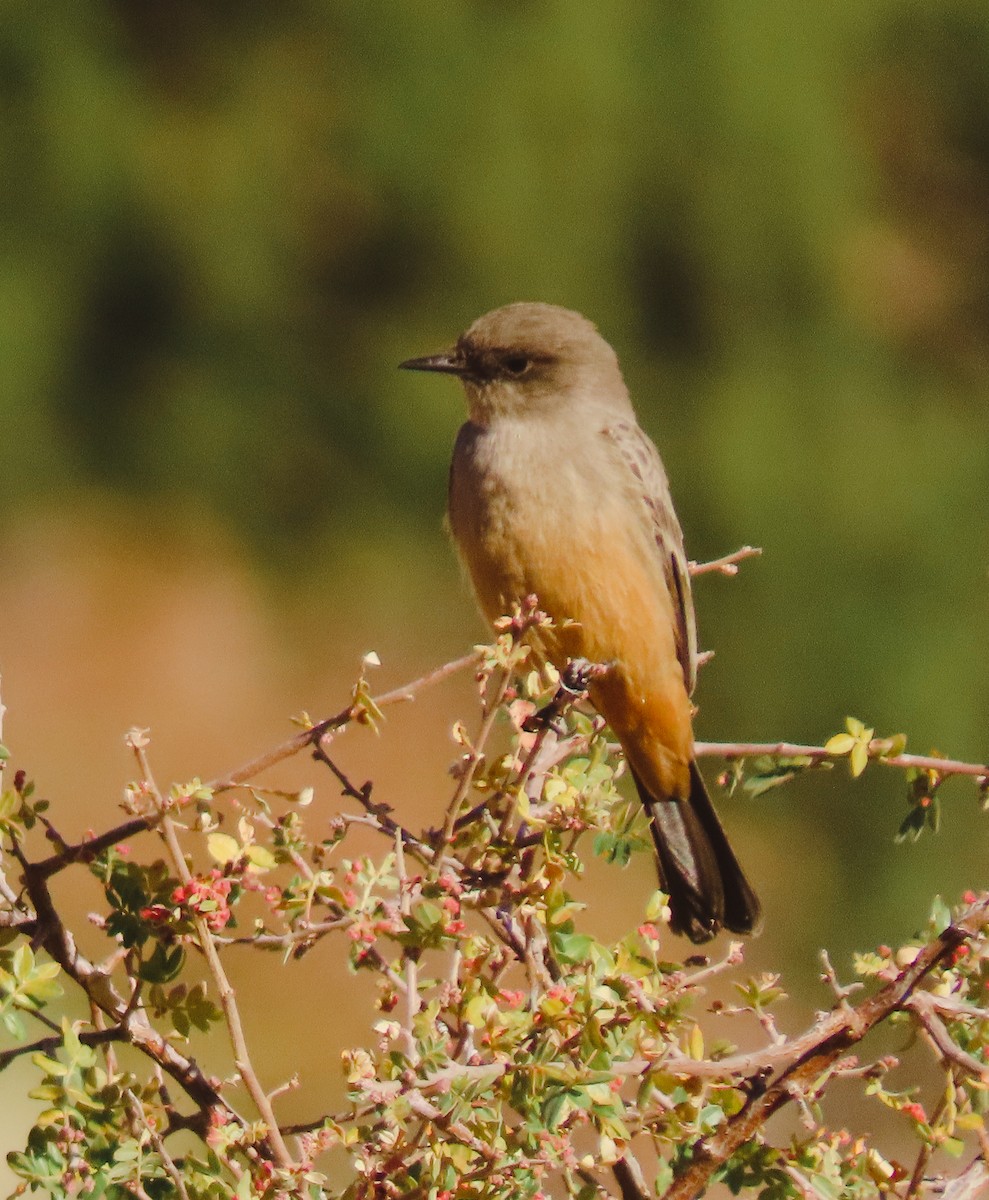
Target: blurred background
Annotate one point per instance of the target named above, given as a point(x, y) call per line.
point(223, 224)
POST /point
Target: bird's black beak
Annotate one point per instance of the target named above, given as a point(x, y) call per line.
point(451, 362)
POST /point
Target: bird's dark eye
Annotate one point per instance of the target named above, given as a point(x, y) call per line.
point(516, 364)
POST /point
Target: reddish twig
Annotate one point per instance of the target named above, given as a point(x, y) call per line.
point(878, 752)
point(316, 733)
point(727, 565)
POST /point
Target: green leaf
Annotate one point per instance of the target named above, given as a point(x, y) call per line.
point(427, 914)
point(42, 985)
point(553, 1109)
point(14, 1025)
point(163, 965)
point(825, 1188)
point(223, 847)
point(940, 915)
point(758, 785)
point(572, 947)
point(893, 746)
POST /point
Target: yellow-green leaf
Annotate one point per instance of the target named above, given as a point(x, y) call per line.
point(656, 906)
point(841, 743)
point(859, 758)
point(559, 916)
point(554, 788)
point(477, 1009)
point(23, 961)
point(46, 970)
point(260, 858)
point(223, 847)
point(50, 1066)
point(895, 744)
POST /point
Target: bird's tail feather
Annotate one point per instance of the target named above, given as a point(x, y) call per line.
point(697, 866)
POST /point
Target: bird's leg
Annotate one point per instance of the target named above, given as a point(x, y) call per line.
point(575, 679)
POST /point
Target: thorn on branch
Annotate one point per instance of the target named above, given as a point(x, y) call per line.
point(828, 976)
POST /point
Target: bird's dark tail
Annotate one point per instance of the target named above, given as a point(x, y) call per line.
point(697, 866)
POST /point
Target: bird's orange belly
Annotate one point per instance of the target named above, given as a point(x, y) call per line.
point(609, 604)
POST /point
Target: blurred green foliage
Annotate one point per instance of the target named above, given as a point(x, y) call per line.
point(224, 224)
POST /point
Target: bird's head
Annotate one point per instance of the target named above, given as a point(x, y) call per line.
point(531, 358)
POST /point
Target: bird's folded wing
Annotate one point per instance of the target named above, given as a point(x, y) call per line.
point(647, 478)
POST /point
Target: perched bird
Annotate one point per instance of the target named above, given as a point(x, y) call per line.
point(556, 491)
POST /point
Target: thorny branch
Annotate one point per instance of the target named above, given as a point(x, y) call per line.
point(313, 736)
point(228, 999)
point(878, 751)
point(128, 1015)
point(131, 1019)
point(316, 734)
point(789, 1070)
point(807, 1059)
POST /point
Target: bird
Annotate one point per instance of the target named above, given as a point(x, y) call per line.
point(556, 491)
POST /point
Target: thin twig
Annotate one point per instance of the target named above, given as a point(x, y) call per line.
point(733, 957)
point(48, 1045)
point(315, 735)
point(926, 1149)
point(413, 1001)
point(877, 752)
point(228, 1000)
point(377, 814)
point(727, 565)
point(588, 1176)
point(137, 1113)
point(921, 1005)
point(803, 1184)
point(828, 976)
point(473, 757)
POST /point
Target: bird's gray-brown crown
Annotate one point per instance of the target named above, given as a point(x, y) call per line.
point(530, 357)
